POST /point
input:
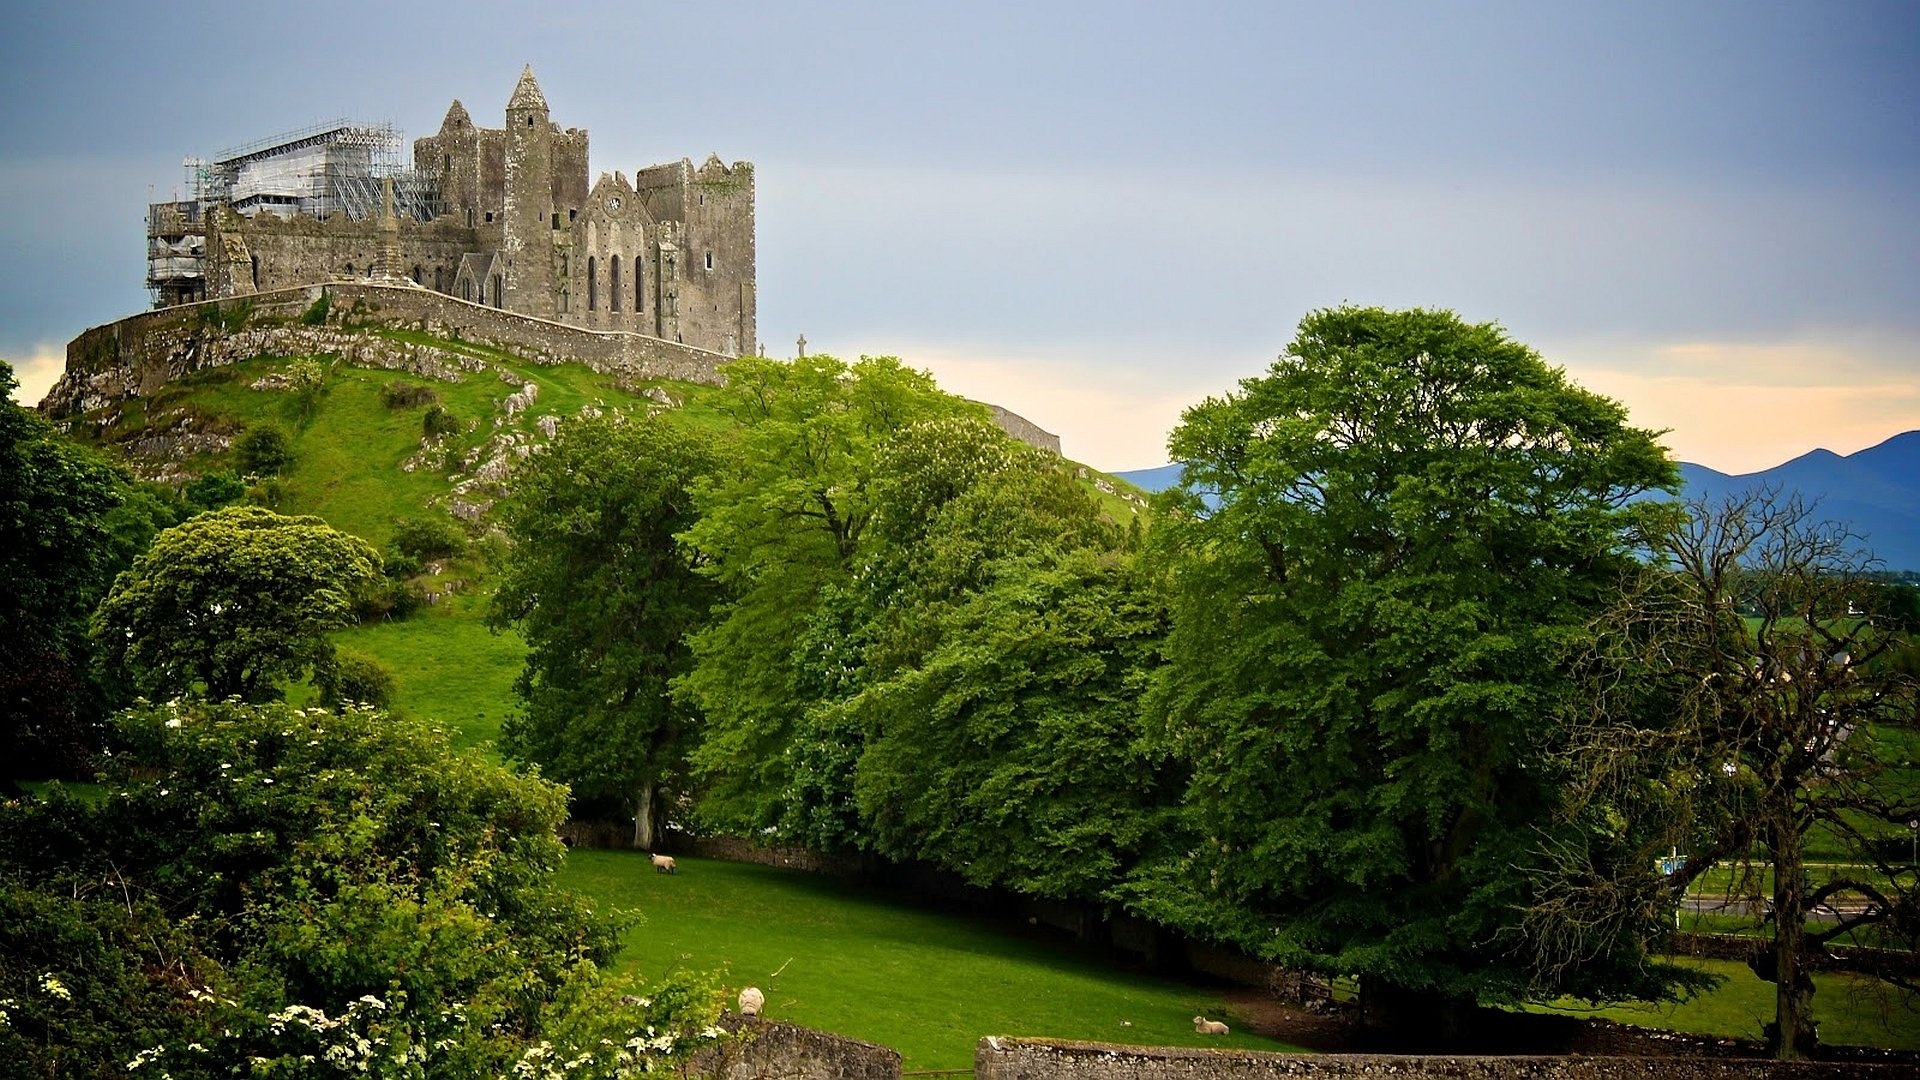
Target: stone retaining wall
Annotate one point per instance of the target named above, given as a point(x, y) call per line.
point(758, 1047)
point(1002, 1058)
point(138, 355)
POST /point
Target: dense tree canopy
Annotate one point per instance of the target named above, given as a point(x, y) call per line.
point(232, 601)
point(781, 529)
point(606, 596)
point(278, 892)
point(58, 553)
point(1415, 518)
point(1008, 640)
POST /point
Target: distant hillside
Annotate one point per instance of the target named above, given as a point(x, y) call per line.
point(1152, 480)
point(1876, 491)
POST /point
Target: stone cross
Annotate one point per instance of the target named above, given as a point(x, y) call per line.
point(803, 346)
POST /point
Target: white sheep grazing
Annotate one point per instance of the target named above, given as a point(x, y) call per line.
point(663, 864)
point(1208, 1027)
point(751, 1001)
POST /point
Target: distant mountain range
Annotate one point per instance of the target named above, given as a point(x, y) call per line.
point(1876, 491)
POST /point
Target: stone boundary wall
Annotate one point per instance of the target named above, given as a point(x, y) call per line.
point(739, 849)
point(759, 1047)
point(1844, 957)
point(1003, 1058)
point(1023, 429)
point(137, 355)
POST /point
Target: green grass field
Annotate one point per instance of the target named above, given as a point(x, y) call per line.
point(1850, 1011)
point(927, 984)
point(447, 668)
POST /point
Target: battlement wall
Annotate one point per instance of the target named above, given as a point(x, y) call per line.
point(137, 355)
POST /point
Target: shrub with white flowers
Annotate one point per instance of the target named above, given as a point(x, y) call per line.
point(282, 892)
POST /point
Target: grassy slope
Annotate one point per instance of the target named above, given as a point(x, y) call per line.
point(926, 984)
point(348, 470)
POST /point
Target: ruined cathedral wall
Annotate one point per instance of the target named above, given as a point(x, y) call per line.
point(569, 172)
point(611, 263)
point(490, 191)
point(717, 303)
point(663, 189)
point(290, 252)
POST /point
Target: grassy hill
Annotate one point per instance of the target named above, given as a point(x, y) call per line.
point(363, 460)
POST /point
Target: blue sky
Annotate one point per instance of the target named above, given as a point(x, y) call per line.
point(1098, 214)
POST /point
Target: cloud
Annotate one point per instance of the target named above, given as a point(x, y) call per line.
point(1108, 414)
point(1743, 406)
point(37, 372)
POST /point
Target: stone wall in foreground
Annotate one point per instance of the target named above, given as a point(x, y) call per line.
point(757, 1047)
point(1002, 1058)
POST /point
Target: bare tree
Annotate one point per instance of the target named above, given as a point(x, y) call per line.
point(1739, 702)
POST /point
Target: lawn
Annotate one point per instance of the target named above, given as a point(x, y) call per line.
point(1850, 1011)
point(833, 956)
point(447, 668)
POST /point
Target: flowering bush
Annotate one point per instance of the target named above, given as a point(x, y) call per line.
point(296, 892)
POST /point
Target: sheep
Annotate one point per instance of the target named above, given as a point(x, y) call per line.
point(751, 1000)
point(663, 864)
point(1205, 1026)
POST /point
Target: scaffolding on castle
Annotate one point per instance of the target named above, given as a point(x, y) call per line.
point(330, 168)
point(323, 170)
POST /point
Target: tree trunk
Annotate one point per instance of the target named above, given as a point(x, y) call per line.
point(643, 819)
point(1791, 1035)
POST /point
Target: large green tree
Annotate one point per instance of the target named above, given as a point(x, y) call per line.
point(1409, 520)
point(231, 602)
point(57, 554)
point(1742, 709)
point(781, 528)
point(606, 595)
point(1008, 639)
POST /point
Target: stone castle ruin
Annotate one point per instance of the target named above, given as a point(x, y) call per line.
point(502, 217)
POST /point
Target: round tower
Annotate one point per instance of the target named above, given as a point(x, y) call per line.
point(526, 241)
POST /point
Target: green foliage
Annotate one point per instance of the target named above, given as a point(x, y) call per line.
point(605, 595)
point(316, 312)
point(1416, 517)
point(62, 534)
point(307, 382)
point(405, 395)
point(263, 450)
point(421, 539)
point(1005, 644)
point(211, 491)
point(1013, 752)
point(780, 528)
point(231, 602)
point(265, 883)
point(271, 493)
point(345, 678)
point(437, 422)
